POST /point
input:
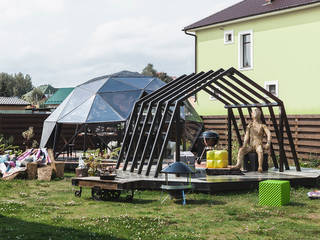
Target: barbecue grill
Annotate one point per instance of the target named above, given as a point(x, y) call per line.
point(210, 139)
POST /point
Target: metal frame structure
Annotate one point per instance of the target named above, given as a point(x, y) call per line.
point(156, 115)
point(83, 128)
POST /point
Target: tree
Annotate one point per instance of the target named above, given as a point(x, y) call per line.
point(164, 77)
point(36, 96)
point(23, 84)
point(5, 88)
point(14, 85)
point(150, 71)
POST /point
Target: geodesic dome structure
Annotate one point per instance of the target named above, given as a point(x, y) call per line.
point(106, 99)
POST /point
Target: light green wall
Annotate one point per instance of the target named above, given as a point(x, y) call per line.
point(286, 48)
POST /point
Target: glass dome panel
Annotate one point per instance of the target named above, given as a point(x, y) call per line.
point(48, 127)
point(93, 86)
point(54, 116)
point(78, 97)
point(101, 111)
point(122, 102)
point(79, 114)
point(155, 84)
point(113, 85)
point(139, 82)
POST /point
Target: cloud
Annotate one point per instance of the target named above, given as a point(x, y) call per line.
point(14, 10)
point(66, 42)
point(135, 36)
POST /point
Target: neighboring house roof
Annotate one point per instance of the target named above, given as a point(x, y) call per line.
point(13, 101)
point(248, 8)
point(45, 89)
point(59, 96)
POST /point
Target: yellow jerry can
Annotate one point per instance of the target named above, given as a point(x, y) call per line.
point(221, 157)
point(210, 159)
point(211, 155)
point(210, 163)
point(217, 159)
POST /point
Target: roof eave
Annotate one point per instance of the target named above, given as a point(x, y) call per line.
point(252, 17)
point(15, 105)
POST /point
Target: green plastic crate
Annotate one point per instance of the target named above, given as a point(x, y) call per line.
point(274, 193)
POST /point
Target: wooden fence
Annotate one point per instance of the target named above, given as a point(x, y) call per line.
point(14, 124)
point(305, 132)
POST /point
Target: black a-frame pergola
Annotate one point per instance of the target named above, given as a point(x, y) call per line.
point(156, 115)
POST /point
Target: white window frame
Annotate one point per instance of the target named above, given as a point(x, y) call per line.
point(268, 83)
point(240, 49)
point(212, 98)
point(232, 37)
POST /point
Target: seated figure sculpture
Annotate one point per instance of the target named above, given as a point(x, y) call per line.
point(253, 140)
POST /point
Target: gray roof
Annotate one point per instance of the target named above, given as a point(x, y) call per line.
point(248, 8)
point(13, 101)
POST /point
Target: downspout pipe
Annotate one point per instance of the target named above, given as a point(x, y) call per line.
point(195, 55)
point(195, 49)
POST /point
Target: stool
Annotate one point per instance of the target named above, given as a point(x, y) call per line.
point(250, 162)
point(274, 193)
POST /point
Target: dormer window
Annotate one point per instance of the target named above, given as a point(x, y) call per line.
point(228, 37)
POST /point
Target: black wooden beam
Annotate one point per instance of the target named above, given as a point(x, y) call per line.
point(229, 137)
point(236, 128)
point(254, 84)
point(292, 146)
point(273, 155)
point(258, 105)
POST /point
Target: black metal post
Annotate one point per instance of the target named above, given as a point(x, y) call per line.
point(178, 134)
point(55, 138)
point(70, 140)
point(85, 139)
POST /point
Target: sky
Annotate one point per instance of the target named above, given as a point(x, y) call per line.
point(67, 42)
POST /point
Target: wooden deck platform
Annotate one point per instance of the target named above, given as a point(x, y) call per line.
point(202, 183)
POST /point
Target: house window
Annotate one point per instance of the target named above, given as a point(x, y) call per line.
point(228, 37)
point(212, 97)
point(245, 50)
point(272, 87)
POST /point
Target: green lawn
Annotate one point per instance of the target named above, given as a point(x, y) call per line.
point(49, 210)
